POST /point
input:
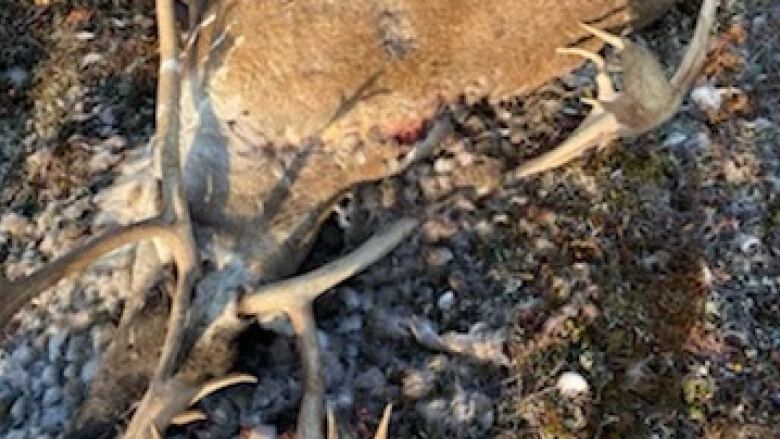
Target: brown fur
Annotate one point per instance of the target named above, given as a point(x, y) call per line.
point(266, 74)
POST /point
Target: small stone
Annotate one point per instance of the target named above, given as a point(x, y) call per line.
point(351, 298)
point(52, 396)
point(748, 244)
point(19, 378)
point(89, 370)
point(224, 412)
point(430, 188)
point(51, 376)
point(19, 409)
point(572, 384)
point(675, 138)
point(53, 419)
point(23, 355)
point(446, 301)
point(71, 372)
point(91, 58)
point(443, 166)
point(436, 230)
point(352, 323)
point(55, 344)
point(17, 77)
point(77, 349)
point(85, 36)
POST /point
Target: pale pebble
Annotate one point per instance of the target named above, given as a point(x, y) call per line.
point(572, 384)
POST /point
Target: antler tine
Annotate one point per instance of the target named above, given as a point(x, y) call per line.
point(384, 424)
point(381, 430)
point(605, 91)
point(15, 294)
point(294, 297)
point(694, 57)
point(613, 40)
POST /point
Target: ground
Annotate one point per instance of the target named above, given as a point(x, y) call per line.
point(648, 270)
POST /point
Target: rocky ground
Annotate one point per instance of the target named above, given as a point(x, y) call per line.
point(634, 293)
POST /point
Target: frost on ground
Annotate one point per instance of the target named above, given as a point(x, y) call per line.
point(635, 292)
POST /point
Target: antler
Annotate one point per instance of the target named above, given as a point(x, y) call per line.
point(164, 403)
point(294, 297)
point(648, 100)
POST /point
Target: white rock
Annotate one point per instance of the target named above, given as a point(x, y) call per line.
point(19, 378)
point(443, 166)
point(748, 244)
point(675, 138)
point(91, 58)
point(572, 384)
point(84, 36)
point(446, 301)
point(707, 98)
